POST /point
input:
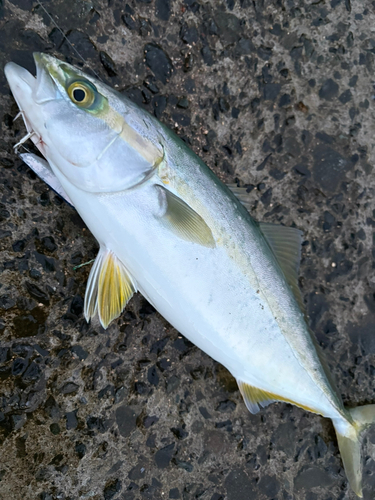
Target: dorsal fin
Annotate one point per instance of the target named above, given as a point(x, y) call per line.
point(109, 288)
point(242, 194)
point(285, 242)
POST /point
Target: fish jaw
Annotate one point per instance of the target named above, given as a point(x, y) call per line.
point(45, 110)
point(21, 82)
point(24, 86)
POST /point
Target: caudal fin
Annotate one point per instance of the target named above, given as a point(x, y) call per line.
point(350, 442)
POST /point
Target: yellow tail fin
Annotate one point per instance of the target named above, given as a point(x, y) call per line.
point(349, 440)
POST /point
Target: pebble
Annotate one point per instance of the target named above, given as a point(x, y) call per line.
point(164, 456)
point(159, 62)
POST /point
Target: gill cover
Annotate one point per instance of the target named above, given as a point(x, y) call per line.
point(86, 132)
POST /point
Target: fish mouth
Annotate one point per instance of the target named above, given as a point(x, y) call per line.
point(18, 76)
point(21, 83)
point(42, 86)
point(30, 93)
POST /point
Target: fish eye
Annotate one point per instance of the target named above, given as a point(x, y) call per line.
point(82, 93)
point(79, 95)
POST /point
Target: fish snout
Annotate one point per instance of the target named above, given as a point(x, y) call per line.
point(19, 79)
point(30, 94)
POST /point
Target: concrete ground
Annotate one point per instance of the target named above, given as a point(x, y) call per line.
point(275, 95)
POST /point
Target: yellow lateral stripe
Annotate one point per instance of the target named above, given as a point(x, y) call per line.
point(143, 146)
point(147, 149)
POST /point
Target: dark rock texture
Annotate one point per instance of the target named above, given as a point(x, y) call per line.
point(277, 95)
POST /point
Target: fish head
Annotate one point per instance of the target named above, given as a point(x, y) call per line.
point(85, 130)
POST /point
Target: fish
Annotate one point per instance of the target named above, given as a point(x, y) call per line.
point(168, 228)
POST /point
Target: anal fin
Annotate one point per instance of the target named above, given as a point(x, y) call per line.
point(255, 398)
point(109, 288)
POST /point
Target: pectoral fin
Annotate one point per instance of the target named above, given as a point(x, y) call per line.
point(109, 288)
point(183, 220)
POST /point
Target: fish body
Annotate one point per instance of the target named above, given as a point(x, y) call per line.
point(170, 229)
point(232, 301)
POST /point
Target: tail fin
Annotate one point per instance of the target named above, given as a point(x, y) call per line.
point(349, 440)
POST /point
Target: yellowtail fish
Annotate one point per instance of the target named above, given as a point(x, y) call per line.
point(169, 228)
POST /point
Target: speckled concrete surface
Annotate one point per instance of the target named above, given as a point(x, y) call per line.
point(278, 95)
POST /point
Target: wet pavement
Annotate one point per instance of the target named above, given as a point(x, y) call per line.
point(278, 96)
